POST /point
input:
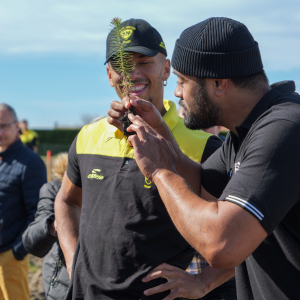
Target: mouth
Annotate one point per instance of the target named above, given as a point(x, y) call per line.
point(138, 89)
point(182, 104)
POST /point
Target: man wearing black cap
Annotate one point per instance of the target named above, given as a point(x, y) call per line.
point(253, 179)
point(125, 230)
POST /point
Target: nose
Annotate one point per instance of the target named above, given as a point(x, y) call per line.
point(178, 91)
point(135, 73)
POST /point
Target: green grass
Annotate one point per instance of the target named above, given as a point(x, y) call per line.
point(33, 268)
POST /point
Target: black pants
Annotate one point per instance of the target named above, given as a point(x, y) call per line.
point(226, 291)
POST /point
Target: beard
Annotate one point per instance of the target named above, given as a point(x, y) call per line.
point(203, 112)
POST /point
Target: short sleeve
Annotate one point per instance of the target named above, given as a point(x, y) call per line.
point(267, 181)
point(213, 143)
point(213, 172)
point(73, 170)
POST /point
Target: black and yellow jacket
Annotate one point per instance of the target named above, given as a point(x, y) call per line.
point(125, 230)
point(29, 138)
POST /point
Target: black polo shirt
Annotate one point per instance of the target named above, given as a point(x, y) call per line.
point(259, 170)
point(125, 229)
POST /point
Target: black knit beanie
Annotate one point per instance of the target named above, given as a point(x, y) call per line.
point(217, 48)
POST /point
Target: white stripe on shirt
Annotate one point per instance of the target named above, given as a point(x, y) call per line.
point(247, 205)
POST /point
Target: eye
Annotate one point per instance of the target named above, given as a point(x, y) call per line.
point(145, 62)
point(179, 83)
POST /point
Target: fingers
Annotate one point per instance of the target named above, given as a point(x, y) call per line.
point(126, 102)
point(165, 266)
point(134, 141)
point(161, 274)
point(142, 104)
point(158, 271)
point(138, 123)
point(160, 288)
point(117, 110)
point(114, 122)
point(140, 131)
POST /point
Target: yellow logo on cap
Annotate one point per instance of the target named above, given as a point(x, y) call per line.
point(162, 45)
point(126, 33)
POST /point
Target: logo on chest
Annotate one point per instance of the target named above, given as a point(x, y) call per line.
point(236, 166)
point(95, 175)
point(148, 183)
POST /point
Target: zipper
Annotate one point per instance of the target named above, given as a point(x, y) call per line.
point(53, 281)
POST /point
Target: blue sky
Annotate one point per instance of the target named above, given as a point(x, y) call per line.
point(52, 52)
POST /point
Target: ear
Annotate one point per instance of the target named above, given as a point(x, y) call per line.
point(166, 70)
point(108, 71)
point(220, 86)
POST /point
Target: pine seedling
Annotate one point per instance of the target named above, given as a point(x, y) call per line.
point(122, 60)
point(122, 63)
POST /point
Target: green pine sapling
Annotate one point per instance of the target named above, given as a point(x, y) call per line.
point(122, 63)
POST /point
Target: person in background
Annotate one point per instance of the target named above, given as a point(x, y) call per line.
point(29, 137)
point(40, 238)
point(22, 173)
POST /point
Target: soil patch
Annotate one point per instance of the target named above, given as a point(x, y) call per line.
point(35, 278)
point(125, 122)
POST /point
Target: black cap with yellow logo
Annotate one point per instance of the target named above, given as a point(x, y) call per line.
point(140, 37)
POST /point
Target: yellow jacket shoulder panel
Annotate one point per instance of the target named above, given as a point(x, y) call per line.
point(101, 138)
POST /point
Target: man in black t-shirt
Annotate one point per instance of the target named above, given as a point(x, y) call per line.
point(125, 230)
point(252, 182)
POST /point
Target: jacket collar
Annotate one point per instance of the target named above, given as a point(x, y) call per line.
point(12, 148)
point(266, 102)
point(171, 116)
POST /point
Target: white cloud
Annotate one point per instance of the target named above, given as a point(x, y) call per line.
point(81, 27)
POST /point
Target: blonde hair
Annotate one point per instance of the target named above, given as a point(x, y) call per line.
point(60, 165)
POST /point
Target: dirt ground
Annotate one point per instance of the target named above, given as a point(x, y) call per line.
point(35, 278)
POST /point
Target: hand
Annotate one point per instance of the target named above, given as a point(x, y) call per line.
point(116, 111)
point(180, 282)
point(152, 152)
point(69, 270)
point(52, 228)
point(143, 108)
point(55, 225)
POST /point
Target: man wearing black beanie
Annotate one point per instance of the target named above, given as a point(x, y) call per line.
point(241, 207)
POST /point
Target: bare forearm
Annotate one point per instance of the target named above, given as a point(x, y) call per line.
point(182, 204)
point(215, 229)
point(213, 278)
point(67, 218)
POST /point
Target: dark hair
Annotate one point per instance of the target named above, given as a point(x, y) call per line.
point(251, 82)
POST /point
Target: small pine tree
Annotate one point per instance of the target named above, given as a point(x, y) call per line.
point(122, 60)
point(122, 63)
